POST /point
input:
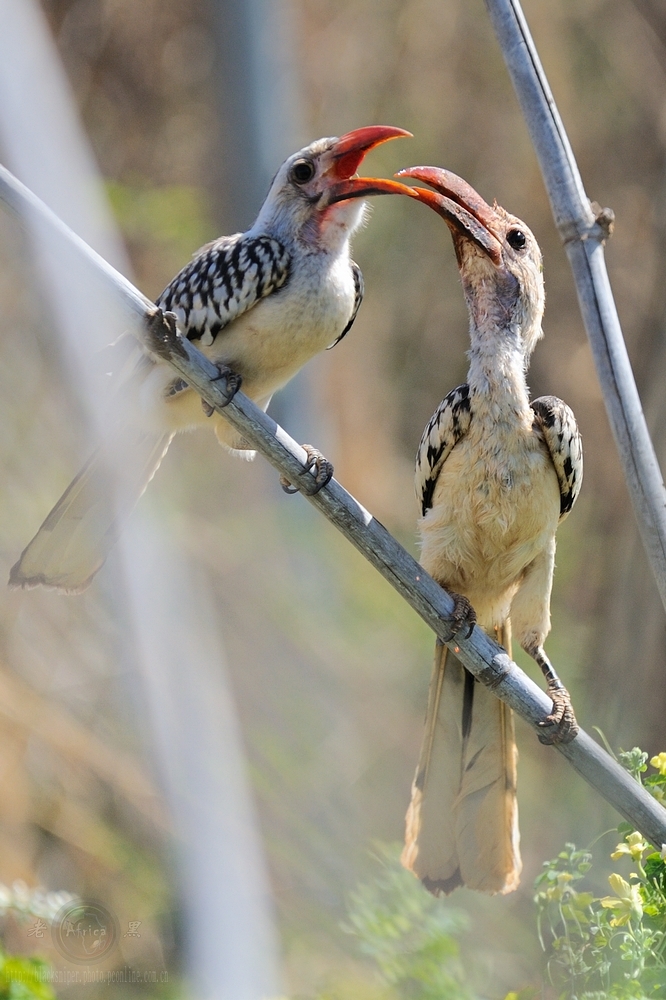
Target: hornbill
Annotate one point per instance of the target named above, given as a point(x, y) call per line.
point(495, 475)
point(259, 303)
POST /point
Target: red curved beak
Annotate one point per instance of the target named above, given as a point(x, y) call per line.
point(462, 208)
point(350, 149)
point(347, 154)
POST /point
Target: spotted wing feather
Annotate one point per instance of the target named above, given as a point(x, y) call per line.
point(223, 280)
point(448, 424)
point(556, 424)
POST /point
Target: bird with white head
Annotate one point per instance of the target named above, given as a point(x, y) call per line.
point(259, 304)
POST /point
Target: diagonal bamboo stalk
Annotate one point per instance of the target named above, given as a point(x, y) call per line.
point(583, 228)
point(483, 657)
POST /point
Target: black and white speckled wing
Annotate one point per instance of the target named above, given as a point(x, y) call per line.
point(556, 423)
point(448, 424)
point(359, 289)
point(222, 281)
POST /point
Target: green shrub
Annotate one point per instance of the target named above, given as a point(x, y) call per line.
point(611, 946)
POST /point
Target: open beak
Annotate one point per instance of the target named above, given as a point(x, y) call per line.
point(346, 156)
point(462, 208)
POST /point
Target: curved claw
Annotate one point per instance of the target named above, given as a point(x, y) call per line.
point(318, 465)
point(463, 614)
point(561, 722)
point(233, 382)
point(232, 379)
point(322, 468)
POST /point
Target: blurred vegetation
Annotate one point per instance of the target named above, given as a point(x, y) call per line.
point(330, 668)
point(28, 977)
point(409, 935)
point(24, 978)
point(161, 226)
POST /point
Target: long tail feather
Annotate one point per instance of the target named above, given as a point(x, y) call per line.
point(74, 540)
point(462, 821)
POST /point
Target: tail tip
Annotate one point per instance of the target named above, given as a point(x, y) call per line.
point(18, 580)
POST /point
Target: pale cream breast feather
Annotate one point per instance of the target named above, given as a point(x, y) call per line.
point(492, 513)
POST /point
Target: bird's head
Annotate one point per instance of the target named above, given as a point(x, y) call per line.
point(499, 258)
point(316, 196)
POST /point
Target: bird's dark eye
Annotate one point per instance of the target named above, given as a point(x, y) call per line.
point(516, 239)
point(302, 171)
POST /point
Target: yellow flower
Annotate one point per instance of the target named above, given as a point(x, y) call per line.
point(659, 762)
point(627, 901)
point(559, 888)
point(635, 847)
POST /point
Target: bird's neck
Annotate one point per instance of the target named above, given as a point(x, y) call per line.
point(321, 232)
point(497, 371)
point(329, 231)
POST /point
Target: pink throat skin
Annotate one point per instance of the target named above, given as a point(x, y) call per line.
point(325, 230)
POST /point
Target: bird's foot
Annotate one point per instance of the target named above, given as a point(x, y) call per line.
point(233, 382)
point(321, 468)
point(180, 385)
point(463, 615)
point(161, 334)
point(560, 726)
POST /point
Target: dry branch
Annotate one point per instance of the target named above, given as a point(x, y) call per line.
point(483, 657)
point(583, 228)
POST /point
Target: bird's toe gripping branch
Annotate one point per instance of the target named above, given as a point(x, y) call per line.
point(560, 726)
point(321, 468)
point(463, 615)
point(232, 383)
point(161, 334)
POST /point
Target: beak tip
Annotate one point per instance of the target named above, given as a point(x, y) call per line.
point(352, 148)
point(462, 208)
point(435, 176)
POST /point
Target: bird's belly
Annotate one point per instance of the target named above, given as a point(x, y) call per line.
point(488, 521)
point(266, 346)
point(268, 349)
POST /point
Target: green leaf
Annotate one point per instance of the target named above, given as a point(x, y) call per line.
point(655, 869)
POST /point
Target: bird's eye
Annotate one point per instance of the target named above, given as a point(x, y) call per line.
point(517, 239)
point(302, 171)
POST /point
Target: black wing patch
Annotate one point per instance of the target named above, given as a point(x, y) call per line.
point(223, 280)
point(448, 424)
point(556, 424)
point(359, 288)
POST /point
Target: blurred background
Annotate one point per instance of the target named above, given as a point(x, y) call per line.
point(188, 107)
